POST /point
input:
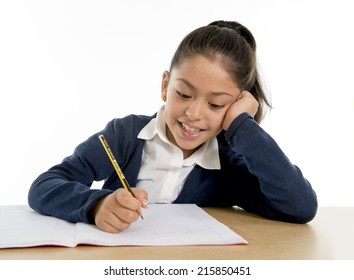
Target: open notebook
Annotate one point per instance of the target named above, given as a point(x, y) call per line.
point(163, 225)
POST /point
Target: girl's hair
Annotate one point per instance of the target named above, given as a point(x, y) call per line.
point(236, 46)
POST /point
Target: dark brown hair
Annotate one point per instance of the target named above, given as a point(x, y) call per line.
point(236, 46)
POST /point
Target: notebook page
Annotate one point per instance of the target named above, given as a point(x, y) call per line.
point(22, 227)
point(165, 225)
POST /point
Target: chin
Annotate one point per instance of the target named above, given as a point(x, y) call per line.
point(190, 148)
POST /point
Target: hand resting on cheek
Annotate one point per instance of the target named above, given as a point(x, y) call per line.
point(245, 103)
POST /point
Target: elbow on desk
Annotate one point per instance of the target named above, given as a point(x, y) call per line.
point(301, 208)
point(306, 216)
point(297, 214)
point(35, 197)
point(307, 208)
point(297, 217)
point(303, 213)
point(32, 199)
point(291, 211)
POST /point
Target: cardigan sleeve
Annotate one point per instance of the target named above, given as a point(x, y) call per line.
point(284, 193)
point(64, 190)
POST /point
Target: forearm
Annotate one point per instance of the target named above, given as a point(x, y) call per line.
point(55, 195)
point(282, 183)
point(64, 190)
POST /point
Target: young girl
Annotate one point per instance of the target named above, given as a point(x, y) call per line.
point(204, 146)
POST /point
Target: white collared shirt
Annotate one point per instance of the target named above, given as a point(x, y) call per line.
point(163, 169)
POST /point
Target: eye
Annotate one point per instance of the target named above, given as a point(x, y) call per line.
point(182, 95)
point(216, 106)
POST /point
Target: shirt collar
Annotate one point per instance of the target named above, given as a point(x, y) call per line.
point(207, 156)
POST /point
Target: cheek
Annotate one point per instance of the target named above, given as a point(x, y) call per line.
point(171, 113)
point(174, 107)
point(216, 120)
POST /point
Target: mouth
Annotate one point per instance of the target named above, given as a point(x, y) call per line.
point(193, 131)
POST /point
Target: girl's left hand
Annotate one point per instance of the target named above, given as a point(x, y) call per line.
point(245, 103)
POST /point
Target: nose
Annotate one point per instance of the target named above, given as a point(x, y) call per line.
point(195, 111)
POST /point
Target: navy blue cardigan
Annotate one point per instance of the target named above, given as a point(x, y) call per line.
point(255, 175)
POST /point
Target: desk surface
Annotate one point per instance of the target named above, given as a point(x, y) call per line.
point(328, 236)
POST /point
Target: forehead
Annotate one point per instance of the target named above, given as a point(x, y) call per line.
point(205, 73)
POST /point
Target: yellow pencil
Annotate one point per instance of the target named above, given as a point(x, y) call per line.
point(116, 166)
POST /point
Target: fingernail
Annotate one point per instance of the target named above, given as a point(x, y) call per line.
point(145, 203)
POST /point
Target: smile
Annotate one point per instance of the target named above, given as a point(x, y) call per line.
point(191, 130)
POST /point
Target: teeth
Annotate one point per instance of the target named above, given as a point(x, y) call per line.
point(190, 129)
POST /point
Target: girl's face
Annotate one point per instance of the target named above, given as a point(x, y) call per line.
point(198, 94)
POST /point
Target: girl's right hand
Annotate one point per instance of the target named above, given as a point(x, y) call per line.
point(115, 212)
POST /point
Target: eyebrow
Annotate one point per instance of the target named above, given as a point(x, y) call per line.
point(191, 86)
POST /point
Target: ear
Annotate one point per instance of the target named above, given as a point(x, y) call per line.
point(164, 85)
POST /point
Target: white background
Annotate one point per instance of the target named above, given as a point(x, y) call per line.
point(69, 67)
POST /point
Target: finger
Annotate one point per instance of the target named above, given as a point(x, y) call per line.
point(142, 196)
point(245, 94)
point(127, 215)
point(115, 226)
point(249, 103)
point(240, 95)
point(112, 223)
point(127, 200)
point(111, 216)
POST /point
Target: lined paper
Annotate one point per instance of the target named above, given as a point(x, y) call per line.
point(163, 225)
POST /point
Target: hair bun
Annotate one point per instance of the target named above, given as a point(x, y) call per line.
point(239, 29)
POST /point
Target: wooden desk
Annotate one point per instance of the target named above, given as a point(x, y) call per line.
point(328, 236)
